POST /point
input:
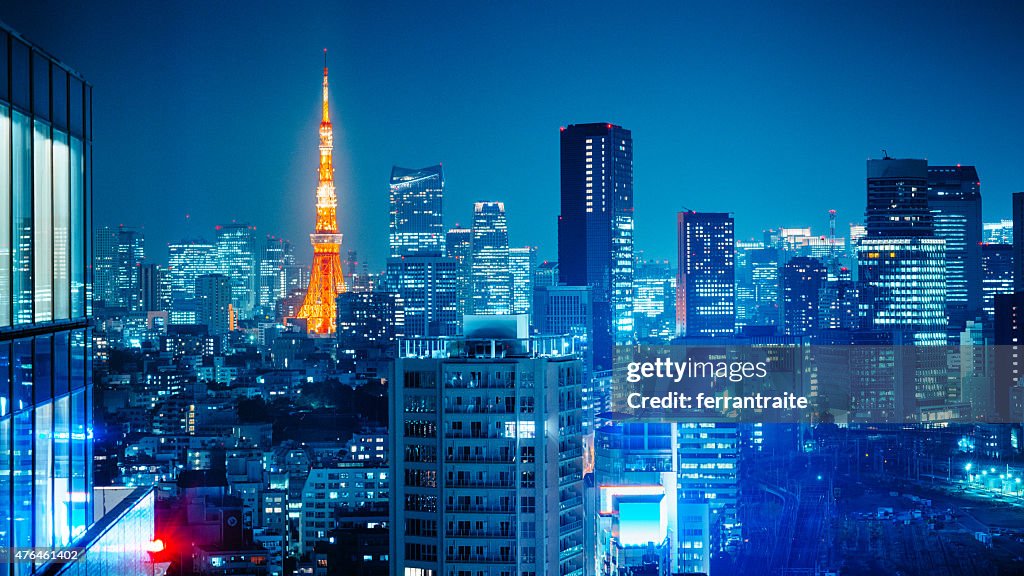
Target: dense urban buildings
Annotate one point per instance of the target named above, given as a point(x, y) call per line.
point(246, 405)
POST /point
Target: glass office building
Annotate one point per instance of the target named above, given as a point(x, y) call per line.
point(45, 339)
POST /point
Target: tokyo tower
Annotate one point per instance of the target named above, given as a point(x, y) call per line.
point(326, 280)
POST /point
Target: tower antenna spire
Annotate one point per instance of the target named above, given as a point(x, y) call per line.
point(326, 114)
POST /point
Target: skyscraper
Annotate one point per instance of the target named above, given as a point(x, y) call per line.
point(492, 279)
point(326, 280)
point(595, 227)
point(131, 254)
point(236, 255)
point(46, 343)
point(897, 205)
point(155, 288)
point(416, 212)
point(214, 302)
point(429, 288)
point(996, 274)
point(705, 285)
point(802, 280)
point(954, 199)
point(188, 260)
point(487, 455)
point(459, 247)
point(902, 286)
point(521, 263)
point(104, 265)
point(901, 265)
point(274, 253)
point(654, 304)
point(1018, 241)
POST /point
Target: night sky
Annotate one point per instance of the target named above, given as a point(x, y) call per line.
point(768, 111)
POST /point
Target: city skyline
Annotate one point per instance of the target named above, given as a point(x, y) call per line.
point(810, 82)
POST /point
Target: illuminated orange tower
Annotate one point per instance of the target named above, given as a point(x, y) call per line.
point(326, 280)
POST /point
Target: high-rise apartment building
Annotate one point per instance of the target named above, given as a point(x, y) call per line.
point(416, 227)
point(705, 282)
point(954, 199)
point(492, 278)
point(1018, 241)
point(595, 227)
point(487, 454)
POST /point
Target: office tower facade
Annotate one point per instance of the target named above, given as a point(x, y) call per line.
point(369, 320)
point(954, 199)
point(487, 456)
point(416, 227)
point(214, 302)
point(803, 278)
point(1009, 349)
point(837, 309)
point(131, 254)
point(459, 247)
point(522, 262)
point(708, 490)
point(764, 287)
point(155, 287)
point(1018, 241)
point(998, 232)
point(706, 279)
point(274, 254)
point(104, 265)
point(897, 205)
point(326, 279)
point(429, 289)
point(595, 227)
point(996, 275)
point(546, 274)
point(654, 305)
point(46, 392)
point(902, 286)
point(186, 261)
point(492, 279)
point(237, 258)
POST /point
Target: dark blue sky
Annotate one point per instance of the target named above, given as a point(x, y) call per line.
point(767, 110)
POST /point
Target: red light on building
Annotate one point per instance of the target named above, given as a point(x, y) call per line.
point(155, 546)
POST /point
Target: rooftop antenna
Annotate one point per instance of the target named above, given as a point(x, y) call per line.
point(885, 154)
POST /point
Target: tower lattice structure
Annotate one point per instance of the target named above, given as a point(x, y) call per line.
point(326, 280)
